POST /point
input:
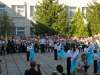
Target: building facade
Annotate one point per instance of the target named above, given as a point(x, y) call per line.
point(22, 12)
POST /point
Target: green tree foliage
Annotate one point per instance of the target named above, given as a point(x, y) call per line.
point(93, 17)
point(52, 15)
point(5, 24)
point(78, 28)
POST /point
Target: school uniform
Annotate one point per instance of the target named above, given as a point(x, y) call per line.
point(42, 45)
point(32, 55)
point(55, 52)
point(60, 51)
point(51, 44)
point(28, 52)
point(68, 56)
point(74, 62)
point(89, 55)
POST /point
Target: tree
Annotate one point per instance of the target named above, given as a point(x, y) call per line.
point(78, 28)
point(93, 17)
point(5, 25)
point(51, 14)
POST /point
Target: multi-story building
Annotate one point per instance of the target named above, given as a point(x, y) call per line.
point(22, 12)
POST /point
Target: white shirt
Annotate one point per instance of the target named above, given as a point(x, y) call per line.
point(51, 43)
point(69, 53)
point(42, 41)
point(96, 56)
point(75, 54)
point(29, 48)
point(91, 48)
point(86, 50)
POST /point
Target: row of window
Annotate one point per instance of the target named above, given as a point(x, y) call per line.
point(19, 10)
point(72, 11)
point(2, 8)
point(20, 31)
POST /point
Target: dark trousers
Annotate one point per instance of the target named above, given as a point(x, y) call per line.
point(50, 49)
point(28, 53)
point(55, 55)
point(68, 65)
point(36, 48)
point(42, 46)
point(95, 66)
point(68, 69)
point(86, 68)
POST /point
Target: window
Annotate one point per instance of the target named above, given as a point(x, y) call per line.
point(32, 30)
point(31, 11)
point(2, 8)
point(14, 10)
point(2, 11)
point(20, 28)
point(20, 7)
point(72, 11)
point(20, 31)
point(18, 10)
point(84, 11)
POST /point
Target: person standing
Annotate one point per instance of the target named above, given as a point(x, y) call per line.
point(42, 44)
point(99, 62)
point(69, 55)
point(96, 58)
point(68, 65)
point(28, 52)
point(51, 44)
point(55, 51)
point(74, 60)
point(32, 53)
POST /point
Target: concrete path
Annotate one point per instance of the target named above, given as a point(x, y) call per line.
point(16, 64)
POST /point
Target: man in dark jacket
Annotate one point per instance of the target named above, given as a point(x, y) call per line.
point(32, 70)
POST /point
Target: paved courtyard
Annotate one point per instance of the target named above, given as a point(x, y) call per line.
point(16, 64)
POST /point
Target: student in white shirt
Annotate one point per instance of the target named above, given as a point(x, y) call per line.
point(42, 44)
point(28, 51)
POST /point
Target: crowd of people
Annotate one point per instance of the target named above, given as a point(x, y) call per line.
point(79, 53)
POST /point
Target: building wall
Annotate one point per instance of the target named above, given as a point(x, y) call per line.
point(21, 11)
